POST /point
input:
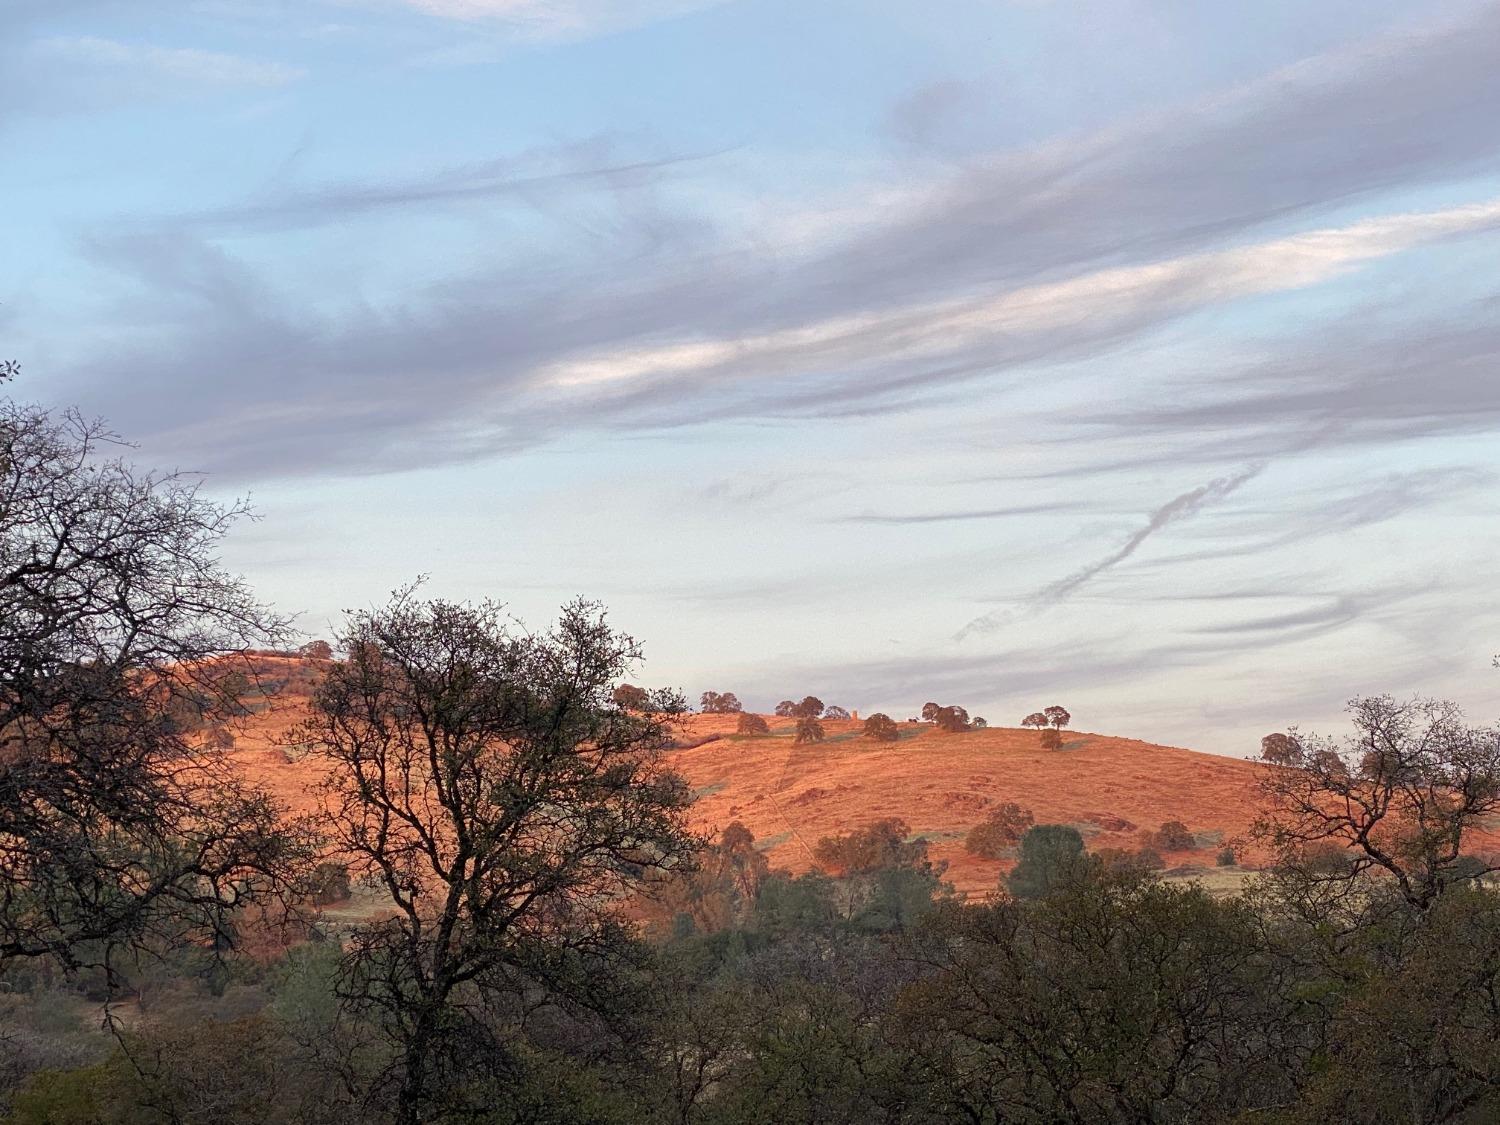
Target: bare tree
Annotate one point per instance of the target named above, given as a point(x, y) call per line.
point(1401, 798)
point(122, 821)
point(487, 782)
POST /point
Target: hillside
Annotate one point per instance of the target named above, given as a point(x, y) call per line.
point(940, 784)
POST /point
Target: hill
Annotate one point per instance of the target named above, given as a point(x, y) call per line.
point(940, 784)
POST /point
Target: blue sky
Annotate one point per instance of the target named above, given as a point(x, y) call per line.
point(1138, 356)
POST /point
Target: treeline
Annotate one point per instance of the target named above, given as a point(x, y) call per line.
point(500, 914)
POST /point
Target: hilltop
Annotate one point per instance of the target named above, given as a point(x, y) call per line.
point(940, 784)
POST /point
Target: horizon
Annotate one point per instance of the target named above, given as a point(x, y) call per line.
point(1139, 359)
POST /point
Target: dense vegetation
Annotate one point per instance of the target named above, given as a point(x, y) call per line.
point(540, 939)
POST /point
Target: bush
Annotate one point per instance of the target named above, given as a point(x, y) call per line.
point(1002, 829)
point(1050, 855)
point(1051, 739)
point(750, 723)
point(881, 727)
point(880, 846)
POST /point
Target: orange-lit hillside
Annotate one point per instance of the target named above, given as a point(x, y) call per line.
point(940, 784)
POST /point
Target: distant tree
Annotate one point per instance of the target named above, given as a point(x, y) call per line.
point(811, 707)
point(1173, 836)
point(1226, 857)
point(328, 883)
point(1035, 719)
point(1050, 855)
point(808, 730)
point(1057, 717)
point(951, 719)
point(1400, 798)
point(929, 710)
point(1280, 749)
point(786, 709)
point(879, 845)
point(632, 698)
point(714, 703)
point(317, 650)
point(832, 712)
point(881, 727)
point(750, 723)
point(979, 722)
point(1052, 739)
point(1126, 861)
point(1002, 829)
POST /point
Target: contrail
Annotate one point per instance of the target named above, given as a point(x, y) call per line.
point(1178, 508)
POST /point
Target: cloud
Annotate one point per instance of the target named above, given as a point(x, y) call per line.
point(959, 516)
point(560, 19)
point(182, 64)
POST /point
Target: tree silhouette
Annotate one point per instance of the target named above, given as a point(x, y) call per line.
point(951, 719)
point(808, 730)
point(811, 707)
point(632, 698)
point(835, 713)
point(1280, 749)
point(1002, 829)
point(317, 650)
point(979, 722)
point(750, 723)
point(929, 710)
point(786, 709)
point(881, 727)
point(714, 703)
point(1057, 717)
point(1035, 719)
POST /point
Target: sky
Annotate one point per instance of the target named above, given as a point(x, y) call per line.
point(1134, 355)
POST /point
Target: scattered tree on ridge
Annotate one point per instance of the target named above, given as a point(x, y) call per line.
point(714, 703)
point(1057, 717)
point(1035, 719)
point(631, 697)
point(881, 727)
point(811, 707)
point(951, 719)
point(317, 650)
point(832, 712)
point(808, 730)
point(751, 723)
point(979, 722)
point(786, 709)
point(929, 710)
point(1280, 749)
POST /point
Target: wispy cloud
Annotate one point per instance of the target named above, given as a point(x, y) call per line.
point(559, 19)
point(183, 64)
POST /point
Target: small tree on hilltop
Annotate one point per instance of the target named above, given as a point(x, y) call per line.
point(632, 698)
point(1051, 739)
point(1002, 829)
point(750, 723)
point(881, 727)
point(317, 650)
point(1035, 719)
point(951, 719)
point(979, 722)
point(714, 703)
point(811, 707)
point(1051, 854)
point(1173, 836)
point(808, 730)
point(1280, 749)
point(832, 712)
point(1057, 717)
point(929, 710)
point(786, 709)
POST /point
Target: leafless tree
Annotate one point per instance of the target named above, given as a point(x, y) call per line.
point(1401, 798)
point(486, 781)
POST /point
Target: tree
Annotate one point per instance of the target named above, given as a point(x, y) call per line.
point(1035, 719)
point(786, 709)
point(1051, 854)
point(1400, 798)
point(632, 698)
point(750, 723)
point(808, 730)
point(979, 722)
point(1052, 739)
point(1280, 749)
point(811, 707)
point(951, 719)
point(122, 822)
point(713, 703)
point(833, 712)
point(881, 727)
point(317, 650)
point(881, 844)
point(1002, 829)
point(929, 710)
point(1173, 836)
point(1057, 717)
point(487, 782)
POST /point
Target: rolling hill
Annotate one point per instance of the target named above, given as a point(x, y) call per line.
point(940, 784)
